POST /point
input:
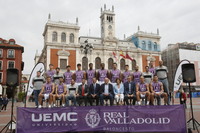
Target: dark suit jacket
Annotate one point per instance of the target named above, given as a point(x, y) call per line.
point(126, 88)
point(91, 89)
point(86, 89)
point(110, 89)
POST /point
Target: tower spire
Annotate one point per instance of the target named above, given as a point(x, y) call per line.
point(112, 8)
point(76, 20)
point(157, 31)
point(104, 6)
point(49, 17)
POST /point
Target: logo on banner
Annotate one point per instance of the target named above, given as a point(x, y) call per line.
point(92, 118)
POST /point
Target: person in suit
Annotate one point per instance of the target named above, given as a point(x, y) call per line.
point(82, 92)
point(129, 91)
point(94, 92)
point(106, 92)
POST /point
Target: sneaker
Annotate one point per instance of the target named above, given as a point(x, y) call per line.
point(147, 102)
point(49, 106)
point(39, 106)
point(139, 103)
point(54, 105)
point(63, 105)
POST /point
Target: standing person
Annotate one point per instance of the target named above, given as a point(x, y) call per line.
point(47, 92)
point(68, 76)
point(50, 72)
point(72, 91)
point(137, 75)
point(79, 75)
point(60, 92)
point(129, 91)
point(82, 93)
point(142, 91)
point(126, 74)
point(114, 74)
point(91, 73)
point(147, 75)
point(102, 74)
point(94, 91)
point(1, 102)
point(183, 97)
point(119, 92)
point(57, 76)
point(5, 102)
point(161, 72)
point(152, 68)
point(106, 92)
point(157, 91)
point(37, 82)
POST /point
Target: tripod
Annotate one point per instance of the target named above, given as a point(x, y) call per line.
point(194, 122)
point(10, 123)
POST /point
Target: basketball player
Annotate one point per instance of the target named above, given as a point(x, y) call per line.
point(126, 74)
point(152, 68)
point(79, 75)
point(50, 72)
point(114, 74)
point(137, 74)
point(91, 73)
point(68, 76)
point(102, 74)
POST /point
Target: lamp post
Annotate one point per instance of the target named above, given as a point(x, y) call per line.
point(86, 48)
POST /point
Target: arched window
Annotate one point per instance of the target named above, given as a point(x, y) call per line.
point(84, 63)
point(149, 45)
point(97, 63)
point(71, 38)
point(133, 64)
point(122, 64)
point(110, 63)
point(63, 37)
point(54, 36)
point(155, 46)
point(143, 45)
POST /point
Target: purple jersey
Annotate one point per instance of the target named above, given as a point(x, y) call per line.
point(102, 74)
point(60, 89)
point(90, 75)
point(137, 76)
point(115, 74)
point(68, 77)
point(48, 87)
point(152, 70)
point(156, 86)
point(126, 74)
point(50, 73)
point(142, 87)
point(79, 76)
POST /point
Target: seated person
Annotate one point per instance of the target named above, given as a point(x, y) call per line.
point(157, 91)
point(129, 91)
point(119, 92)
point(94, 92)
point(82, 92)
point(72, 91)
point(60, 92)
point(142, 91)
point(46, 92)
point(106, 92)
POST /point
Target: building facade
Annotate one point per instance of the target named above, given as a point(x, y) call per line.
point(174, 53)
point(10, 57)
point(63, 46)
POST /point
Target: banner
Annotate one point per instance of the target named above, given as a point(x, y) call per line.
point(178, 80)
point(102, 118)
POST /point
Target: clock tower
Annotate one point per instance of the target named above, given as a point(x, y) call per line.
point(107, 23)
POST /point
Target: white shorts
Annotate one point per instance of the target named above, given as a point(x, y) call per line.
point(142, 95)
point(46, 96)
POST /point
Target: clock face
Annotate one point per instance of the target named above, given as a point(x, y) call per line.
point(110, 27)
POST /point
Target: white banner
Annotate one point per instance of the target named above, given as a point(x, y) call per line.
point(178, 80)
point(38, 67)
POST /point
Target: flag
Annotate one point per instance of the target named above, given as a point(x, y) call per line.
point(128, 57)
point(115, 55)
point(122, 54)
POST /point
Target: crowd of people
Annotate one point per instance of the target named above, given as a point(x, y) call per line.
point(102, 87)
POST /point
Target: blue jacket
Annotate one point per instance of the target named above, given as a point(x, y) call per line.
point(119, 91)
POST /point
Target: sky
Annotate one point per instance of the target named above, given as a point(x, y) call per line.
point(24, 20)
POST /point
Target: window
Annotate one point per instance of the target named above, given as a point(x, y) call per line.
point(1, 77)
point(54, 37)
point(84, 63)
point(11, 64)
point(149, 45)
point(63, 37)
point(11, 53)
point(97, 63)
point(1, 53)
point(63, 63)
point(122, 64)
point(110, 63)
point(133, 64)
point(1, 65)
point(71, 38)
point(155, 47)
point(143, 45)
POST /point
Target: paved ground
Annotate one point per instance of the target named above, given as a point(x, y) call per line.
point(5, 115)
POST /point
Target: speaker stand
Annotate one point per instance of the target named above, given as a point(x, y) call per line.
point(195, 123)
point(10, 123)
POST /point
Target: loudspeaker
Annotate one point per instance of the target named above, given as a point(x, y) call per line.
point(12, 77)
point(188, 72)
